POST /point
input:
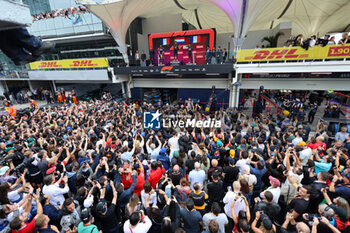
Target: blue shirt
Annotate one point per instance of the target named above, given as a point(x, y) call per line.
point(258, 173)
point(164, 159)
point(196, 176)
point(343, 191)
point(191, 220)
point(322, 166)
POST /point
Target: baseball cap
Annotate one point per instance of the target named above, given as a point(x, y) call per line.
point(88, 201)
point(231, 160)
point(101, 207)
point(302, 143)
point(176, 154)
point(85, 215)
point(3, 170)
point(50, 170)
point(340, 212)
point(83, 160)
point(219, 142)
point(346, 175)
point(274, 181)
point(163, 150)
point(266, 221)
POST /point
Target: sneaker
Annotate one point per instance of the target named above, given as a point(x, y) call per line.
point(45, 47)
point(27, 60)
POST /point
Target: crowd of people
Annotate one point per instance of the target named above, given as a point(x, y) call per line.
point(316, 40)
point(67, 13)
point(212, 56)
point(92, 167)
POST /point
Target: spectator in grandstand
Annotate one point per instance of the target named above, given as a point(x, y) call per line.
point(312, 41)
point(344, 39)
point(332, 41)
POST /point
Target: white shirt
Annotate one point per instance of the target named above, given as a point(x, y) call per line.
point(221, 219)
point(174, 143)
point(312, 42)
point(196, 176)
point(240, 164)
point(154, 153)
point(304, 155)
point(140, 227)
point(152, 201)
point(55, 193)
point(13, 196)
point(296, 140)
point(239, 205)
point(276, 192)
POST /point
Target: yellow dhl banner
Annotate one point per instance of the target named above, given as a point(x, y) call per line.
point(294, 53)
point(68, 64)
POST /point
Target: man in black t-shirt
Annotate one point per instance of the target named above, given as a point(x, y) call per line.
point(214, 189)
point(229, 174)
point(175, 175)
point(214, 169)
point(190, 162)
point(106, 217)
point(300, 203)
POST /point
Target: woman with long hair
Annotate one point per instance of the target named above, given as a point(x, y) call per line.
point(172, 211)
point(183, 190)
point(242, 220)
point(8, 195)
point(131, 207)
point(166, 226)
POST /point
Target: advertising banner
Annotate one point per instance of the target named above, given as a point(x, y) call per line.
point(293, 53)
point(70, 64)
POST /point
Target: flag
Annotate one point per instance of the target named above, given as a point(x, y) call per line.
point(76, 19)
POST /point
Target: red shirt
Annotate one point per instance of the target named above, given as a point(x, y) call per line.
point(126, 180)
point(316, 145)
point(140, 182)
point(154, 177)
point(29, 228)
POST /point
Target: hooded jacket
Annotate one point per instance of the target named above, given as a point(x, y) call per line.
point(70, 218)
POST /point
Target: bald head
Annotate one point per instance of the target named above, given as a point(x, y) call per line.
point(176, 168)
point(320, 139)
point(214, 163)
point(236, 186)
point(302, 227)
point(197, 165)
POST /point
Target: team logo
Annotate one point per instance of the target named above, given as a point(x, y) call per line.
point(151, 120)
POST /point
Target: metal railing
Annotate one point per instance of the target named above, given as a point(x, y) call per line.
point(56, 27)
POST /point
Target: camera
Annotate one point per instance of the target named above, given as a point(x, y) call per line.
point(139, 205)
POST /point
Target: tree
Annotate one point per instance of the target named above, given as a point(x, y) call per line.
point(272, 40)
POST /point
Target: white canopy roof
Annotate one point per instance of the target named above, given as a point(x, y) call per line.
point(308, 17)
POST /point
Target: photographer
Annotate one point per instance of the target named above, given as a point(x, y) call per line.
point(106, 217)
point(54, 190)
point(266, 225)
point(138, 223)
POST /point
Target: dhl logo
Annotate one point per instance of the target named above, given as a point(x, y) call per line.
point(50, 64)
point(83, 63)
point(277, 54)
point(167, 68)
